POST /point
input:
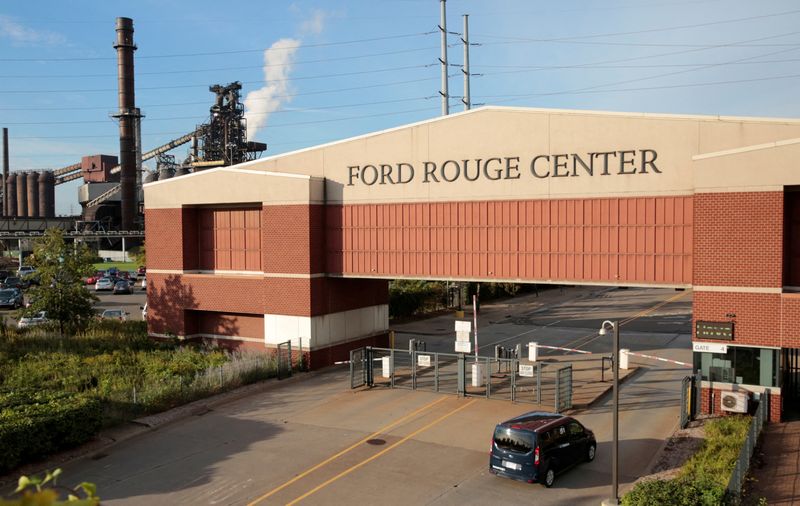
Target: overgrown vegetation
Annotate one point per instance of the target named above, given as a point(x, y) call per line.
point(409, 297)
point(57, 392)
point(704, 478)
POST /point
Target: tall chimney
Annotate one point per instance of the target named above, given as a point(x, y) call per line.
point(11, 201)
point(6, 206)
point(127, 113)
point(22, 194)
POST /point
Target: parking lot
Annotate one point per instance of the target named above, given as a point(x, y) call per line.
point(312, 440)
point(128, 302)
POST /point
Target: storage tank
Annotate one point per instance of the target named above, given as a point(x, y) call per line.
point(47, 194)
point(33, 195)
point(11, 201)
point(182, 170)
point(149, 177)
point(22, 194)
point(165, 173)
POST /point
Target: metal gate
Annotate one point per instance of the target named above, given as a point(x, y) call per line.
point(459, 374)
point(690, 395)
point(564, 388)
point(360, 367)
point(284, 360)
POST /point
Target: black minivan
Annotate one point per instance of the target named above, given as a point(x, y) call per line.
point(537, 446)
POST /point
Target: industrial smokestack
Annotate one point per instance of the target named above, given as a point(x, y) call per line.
point(22, 194)
point(33, 195)
point(6, 206)
point(127, 115)
point(11, 201)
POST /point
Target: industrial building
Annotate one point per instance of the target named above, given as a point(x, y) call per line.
point(300, 246)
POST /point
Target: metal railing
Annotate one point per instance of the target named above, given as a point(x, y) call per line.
point(734, 490)
point(463, 375)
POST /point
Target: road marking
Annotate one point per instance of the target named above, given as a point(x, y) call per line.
point(346, 450)
point(370, 459)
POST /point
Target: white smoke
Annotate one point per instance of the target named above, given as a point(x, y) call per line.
point(278, 64)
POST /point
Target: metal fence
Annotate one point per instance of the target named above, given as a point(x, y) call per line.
point(459, 374)
point(734, 490)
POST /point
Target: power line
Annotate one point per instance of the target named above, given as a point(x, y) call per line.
point(174, 118)
point(219, 53)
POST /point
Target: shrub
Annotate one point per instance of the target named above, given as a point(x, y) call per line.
point(408, 297)
point(35, 424)
point(678, 492)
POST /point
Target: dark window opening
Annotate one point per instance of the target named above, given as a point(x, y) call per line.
point(791, 237)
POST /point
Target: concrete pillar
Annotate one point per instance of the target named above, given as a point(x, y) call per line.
point(533, 352)
point(623, 358)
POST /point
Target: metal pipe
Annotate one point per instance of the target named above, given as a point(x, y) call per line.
point(127, 113)
point(5, 209)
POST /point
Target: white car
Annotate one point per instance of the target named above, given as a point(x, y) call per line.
point(25, 270)
point(31, 321)
point(104, 284)
point(144, 311)
point(114, 314)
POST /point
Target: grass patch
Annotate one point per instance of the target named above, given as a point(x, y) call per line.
point(115, 366)
point(704, 478)
point(123, 266)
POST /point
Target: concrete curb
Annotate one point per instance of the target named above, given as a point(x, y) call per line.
point(109, 438)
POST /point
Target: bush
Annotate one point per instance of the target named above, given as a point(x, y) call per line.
point(678, 492)
point(408, 297)
point(35, 424)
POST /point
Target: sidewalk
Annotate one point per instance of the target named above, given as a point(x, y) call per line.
point(777, 479)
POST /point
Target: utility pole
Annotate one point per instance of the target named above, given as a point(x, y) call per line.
point(443, 59)
point(465, 69)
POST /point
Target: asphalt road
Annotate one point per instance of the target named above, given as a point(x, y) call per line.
point(305, 442)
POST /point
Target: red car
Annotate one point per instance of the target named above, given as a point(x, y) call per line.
point(94, 277)
point(141, 271)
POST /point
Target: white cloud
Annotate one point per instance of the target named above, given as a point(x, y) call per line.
point(22, 35)
point(278, 64)
point(316, 24)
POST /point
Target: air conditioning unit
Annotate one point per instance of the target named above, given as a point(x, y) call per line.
point(735, 402)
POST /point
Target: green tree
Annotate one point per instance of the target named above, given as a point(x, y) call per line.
point(140, 255)
point(61, 269)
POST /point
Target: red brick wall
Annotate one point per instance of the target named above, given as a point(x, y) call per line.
point(164, 238)
point(333, 295)
point(758, 315)
point(790, 322)
point(172, 292)
point(633, 240)
point(738, 239)
point(715, 408)
point(226, 324)
point(290, 234)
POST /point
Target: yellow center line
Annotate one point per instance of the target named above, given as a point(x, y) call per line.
point(346, 450)
point(370, 459)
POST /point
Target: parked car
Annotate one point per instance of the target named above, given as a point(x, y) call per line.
point(11, 297)
point(14, 282)
point(114, 314)
point(142, 270)
point(25, 270)
point(537, 446)
point(123, 286)
point(105, 283)
point(39, 318)
point(94, 277)
point(133, 275)
point(144, 311)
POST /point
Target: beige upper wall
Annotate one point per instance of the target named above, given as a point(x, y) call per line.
point(228, 185)
point(494, 132)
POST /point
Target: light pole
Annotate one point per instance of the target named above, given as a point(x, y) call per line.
point(615, 424)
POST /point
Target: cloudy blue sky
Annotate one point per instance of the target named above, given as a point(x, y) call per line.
point(317, 71)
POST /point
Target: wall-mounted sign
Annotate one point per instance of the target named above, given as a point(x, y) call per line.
point(709, 347)
point(714, 330)
point(493, 168)
point(526, 370)
point(463, 347)
point(424, 360)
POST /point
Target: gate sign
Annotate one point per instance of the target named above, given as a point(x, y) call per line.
point(463, 326)
point(714, 330)
point(463, 347)
point(424, 360)
point(526, 370)
point(709, 347)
